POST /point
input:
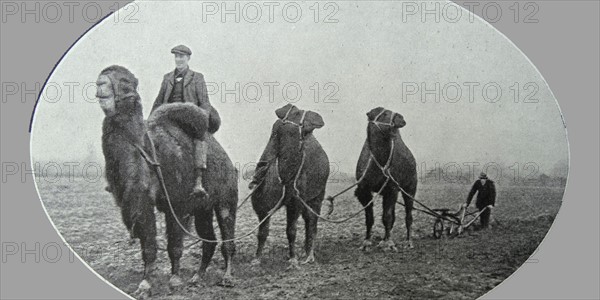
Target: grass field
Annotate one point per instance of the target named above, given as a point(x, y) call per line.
point(464, 267)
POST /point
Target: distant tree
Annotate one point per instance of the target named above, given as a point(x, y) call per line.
point(433, 176)
point(560, 169)
point(544, 179)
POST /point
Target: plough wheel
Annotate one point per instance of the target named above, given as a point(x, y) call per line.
point(438, 228)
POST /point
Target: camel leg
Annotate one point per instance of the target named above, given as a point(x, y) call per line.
point(174, 247)
point(388, 218)
point(204, 228)
point(145, 230)
point(226, 219)
point(408, 207)
point(292, 221)
point(310, 228)
point(365, 196)
point(149, 249)
point(263, 233)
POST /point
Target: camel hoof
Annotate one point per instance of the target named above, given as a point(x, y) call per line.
point(195, 280)
point(227, 281)
point(366, 246)
point(143, 290)
point(255, 262)
point(309, 259)
point(409, 245)
point(293, 264)
point(175, 282)
point(387, 246)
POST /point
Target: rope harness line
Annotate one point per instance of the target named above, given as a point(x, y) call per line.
point(158, 170)
point(300, 126)
point(331, 198)
point(331, 209)
point(198, 240)
point(385, 170)
point(371, 158)
point(377, 123)
point(153, 162)
point(250, 195)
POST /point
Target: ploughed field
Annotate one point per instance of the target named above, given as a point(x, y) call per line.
point(463, 267)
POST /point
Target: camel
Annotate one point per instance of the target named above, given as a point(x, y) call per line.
point(131, 174)
point(281, 165)
point(384, 151)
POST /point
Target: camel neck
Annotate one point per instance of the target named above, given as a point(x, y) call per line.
point(379, 144)
point(131, 127)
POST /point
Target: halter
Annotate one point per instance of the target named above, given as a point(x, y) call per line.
point(383, 168)
point(285, 120)
point(299, 125)
point(390, 123)
point(287, 113)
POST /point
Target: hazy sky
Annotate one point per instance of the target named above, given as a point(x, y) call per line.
point(369, 55)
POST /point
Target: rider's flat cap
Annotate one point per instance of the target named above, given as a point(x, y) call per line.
point(181, 49)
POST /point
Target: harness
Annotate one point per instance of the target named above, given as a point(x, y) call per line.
point(269, 214)
point(385, 170)
point(300, 125)
point(390, 123)
point(153, 162)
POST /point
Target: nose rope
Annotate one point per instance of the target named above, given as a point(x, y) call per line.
point(302, 124)
point(299, 125)
point(287, 113)
point(377, 123)
point(384, 168)
point(379, 114)
point(377, 118)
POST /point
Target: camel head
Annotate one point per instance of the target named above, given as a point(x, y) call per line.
point(118, 98)
point(291, 129)
point(116, 90)
point(293, 124)
point(384, 121)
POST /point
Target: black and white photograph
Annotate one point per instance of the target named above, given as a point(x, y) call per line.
point(312, 149)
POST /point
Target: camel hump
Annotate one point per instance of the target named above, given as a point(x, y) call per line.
point(190, 118)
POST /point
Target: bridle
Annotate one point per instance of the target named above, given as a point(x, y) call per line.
point(300, 125)
point(383, 168)
point(378, 123)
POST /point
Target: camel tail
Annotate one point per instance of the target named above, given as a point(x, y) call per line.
point(187, 116)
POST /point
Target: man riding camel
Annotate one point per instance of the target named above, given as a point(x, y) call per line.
point(185, 85)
